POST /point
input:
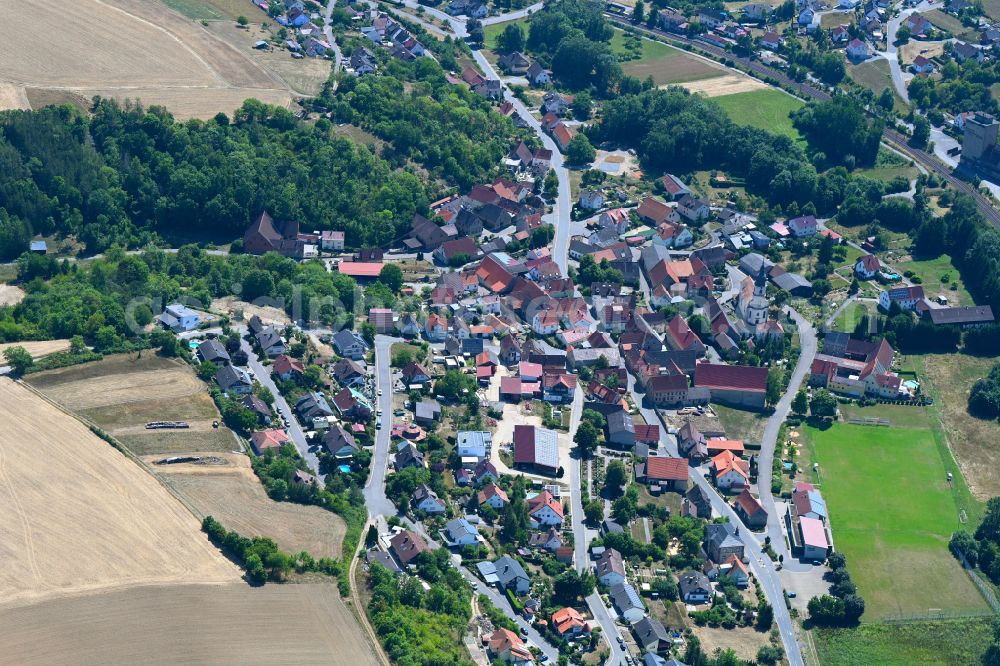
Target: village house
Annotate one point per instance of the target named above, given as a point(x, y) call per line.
point(287, 367)
point(508, 647)
point(627, 602)
point(867, 267)
point(348, 372)
point(538, 75)
point(907, 298)
point(268, 235)
point(549, 540)
point(771, 41)
point(750, 510)
point(691, 442)
point(425, 499)
point(730, 471)
point(922, 65)
point(855, 367)
point(663, 473)
point(492, 495)
point(311, 406)
point(179, 318)
point(568, 623)
point(340, 443)
point(407, 545)
point(610, 568)
point(233, 380)
point(721, 542)
point(652, 637)
point(350, 344)
point(213, 351)
point(265, 440)
point(695, 587)
point(512, 575)
point(460, 532)
point(544, 510)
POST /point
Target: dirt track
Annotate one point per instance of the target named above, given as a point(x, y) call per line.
point(188, 624)
point(80, 516)
point(129, 49)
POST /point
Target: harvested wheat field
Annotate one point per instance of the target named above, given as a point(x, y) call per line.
point(129, 49)
point(81, 516)
point(122, 393)
point(38, 348)
point(119, 380)
point(232, 493)
point(188, 624)
point(730, 84)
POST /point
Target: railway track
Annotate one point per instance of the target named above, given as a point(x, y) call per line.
point(891, 137)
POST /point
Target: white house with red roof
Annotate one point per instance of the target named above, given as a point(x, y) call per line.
point(867, 267)
point(730, 471)
point(907, 298)
point(857, 50)
point(545, 510)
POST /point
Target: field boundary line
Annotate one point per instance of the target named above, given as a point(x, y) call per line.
point(359, 611)
point(116, 444)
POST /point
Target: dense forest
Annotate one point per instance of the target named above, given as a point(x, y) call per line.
point(125, 174)
point(447, 129)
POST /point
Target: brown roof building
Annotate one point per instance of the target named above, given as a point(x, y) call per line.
point(268, 235)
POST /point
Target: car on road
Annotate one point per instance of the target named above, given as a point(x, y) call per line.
point(544, 658)
point(380, 393)
point(523, 630)
point(379, 412)
point(792, 594)
point(378, 425)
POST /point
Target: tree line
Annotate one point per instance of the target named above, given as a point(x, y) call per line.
point(674, 130)
point(261, 557)
point(127, 174)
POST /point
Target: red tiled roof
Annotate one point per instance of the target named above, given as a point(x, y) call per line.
point(748, 503)
point(647, 433)
point(666, 469)
point(731, 377)
point(545, 498)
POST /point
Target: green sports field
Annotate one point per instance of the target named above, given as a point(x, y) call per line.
point(766, 109)
point(892, 512)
